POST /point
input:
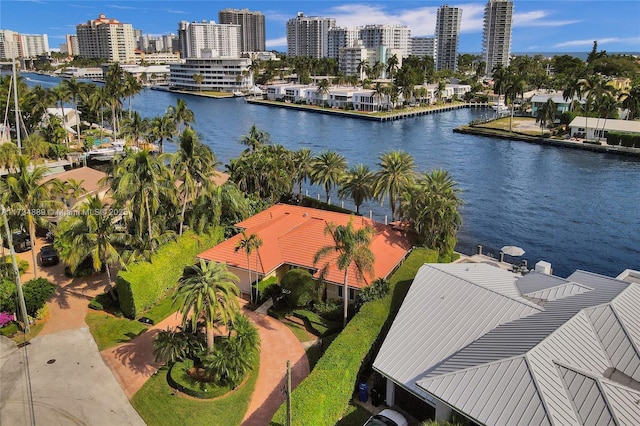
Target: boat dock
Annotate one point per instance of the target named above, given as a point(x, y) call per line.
point(56, 165)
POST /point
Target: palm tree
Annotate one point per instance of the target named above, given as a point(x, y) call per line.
point(361, 69)
point(131, 87)
point(358, 185)
point(630, 100)
point(327, 169)
point(9, 154)
point(92, 233)
point(431, 207)
point(255, 138)
point(35, 146)
point(208, 291)
point(62, 95)
point(135, 126)
point(546, 114)
point(27, 194)
point(199, 78)
point(248, 244)
point(379, 92)
point(161, 129)
point(137, 182)
point(181, 114)
point(194, 165)
point(351, 246)
point(302, 166)
point(397, 172)
point(171, 346)
point(323, 89)
point(392, 65)
point(75, 90)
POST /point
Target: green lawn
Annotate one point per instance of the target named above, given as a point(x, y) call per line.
point(299, 330)
point(157, 405)
point(109, 331)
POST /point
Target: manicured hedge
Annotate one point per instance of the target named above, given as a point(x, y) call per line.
point(324, 395)
point(629, 140)
point(143, 284)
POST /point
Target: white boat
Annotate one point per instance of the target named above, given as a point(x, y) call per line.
point(238, 94)
point(500, 107)
point(107, 152)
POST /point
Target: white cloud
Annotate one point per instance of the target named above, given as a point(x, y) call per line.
point(539, 18)
point(177, 12)
point(276, 42)
point(589, 42)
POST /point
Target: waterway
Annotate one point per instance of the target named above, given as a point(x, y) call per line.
point(574, 209)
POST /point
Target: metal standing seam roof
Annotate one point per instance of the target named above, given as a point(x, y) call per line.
point(592, 330)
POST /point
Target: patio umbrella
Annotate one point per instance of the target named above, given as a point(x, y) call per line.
point(512, 251)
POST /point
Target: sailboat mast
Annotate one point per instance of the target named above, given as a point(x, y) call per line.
point(15, 100)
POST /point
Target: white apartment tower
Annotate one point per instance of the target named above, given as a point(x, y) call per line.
point(16, 45)
point(447, 32)
point(496, 38)
point(341, 37)
point(394, 37)
point(106, 38)
point(309, 36)
point(424, 46)
point(208, 39)
point(252, 28)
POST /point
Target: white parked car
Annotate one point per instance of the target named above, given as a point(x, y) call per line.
point(387, 418)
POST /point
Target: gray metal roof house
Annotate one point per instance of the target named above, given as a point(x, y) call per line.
point(504, 349)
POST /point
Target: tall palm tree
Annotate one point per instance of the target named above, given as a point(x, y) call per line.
point(546, 114)
point(208, 291)
point(392, 65)
point(92, 233)
point(75, 90)
point(131, 87)
point(302, 166)
point(9, 154)
point(327, 169)
point(249, 243)
point(62, 95)
point(350, 247)
point(199, 78)
point(135, 126)
point(161, 129)
point(630, 100)
point(181, 114)
point(35, 146)
point(27, 194)
point(358, 185)
point(194, 165)
point(397, 172)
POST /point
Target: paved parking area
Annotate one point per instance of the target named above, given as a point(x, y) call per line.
point(68, 383)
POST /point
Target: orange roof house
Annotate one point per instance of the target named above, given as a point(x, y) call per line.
point(291, 236)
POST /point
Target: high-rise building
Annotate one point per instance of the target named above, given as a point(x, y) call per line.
point(208, 39)
point(252, 28)
point(447, 32)
point(424, 46)
point(309, 36)
point(394, 37)
point(496, 38)
point(70, 45)
point(106, 38)
point(340, 38)
point(16, 45)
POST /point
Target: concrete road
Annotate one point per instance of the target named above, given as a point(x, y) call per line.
point(60, 379)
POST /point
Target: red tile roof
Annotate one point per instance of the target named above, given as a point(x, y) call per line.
point(292, 235)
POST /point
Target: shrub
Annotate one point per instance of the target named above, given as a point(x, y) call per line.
point(331, 309)
point(298, 286)
point(180, 379)
point(95, 305)
point(7, 295)
point(36, 293)
point(376, 290)
point(144, 283)
point(57, 151)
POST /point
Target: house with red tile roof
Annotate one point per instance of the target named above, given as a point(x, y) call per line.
point(291, 236)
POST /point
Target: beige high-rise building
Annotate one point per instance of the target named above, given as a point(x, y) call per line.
point(70, 45)
point(496, 38)
point(106, 38)
point(252, 28)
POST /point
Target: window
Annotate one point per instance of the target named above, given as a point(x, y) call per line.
point(340, 291)
point(352, 293)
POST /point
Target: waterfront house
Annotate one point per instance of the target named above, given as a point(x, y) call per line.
point(292, 235)
point(69, 120)
point(505, 349)
point(592, 128)
point(539, 99)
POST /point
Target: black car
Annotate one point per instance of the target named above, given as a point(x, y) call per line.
point(48, 256)
point(21, 241)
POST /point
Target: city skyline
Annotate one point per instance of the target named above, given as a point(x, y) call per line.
point(541, 26)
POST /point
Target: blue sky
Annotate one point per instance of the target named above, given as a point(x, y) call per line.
point(539, 26)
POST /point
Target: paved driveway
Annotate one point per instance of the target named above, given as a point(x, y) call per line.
point(68, 383)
